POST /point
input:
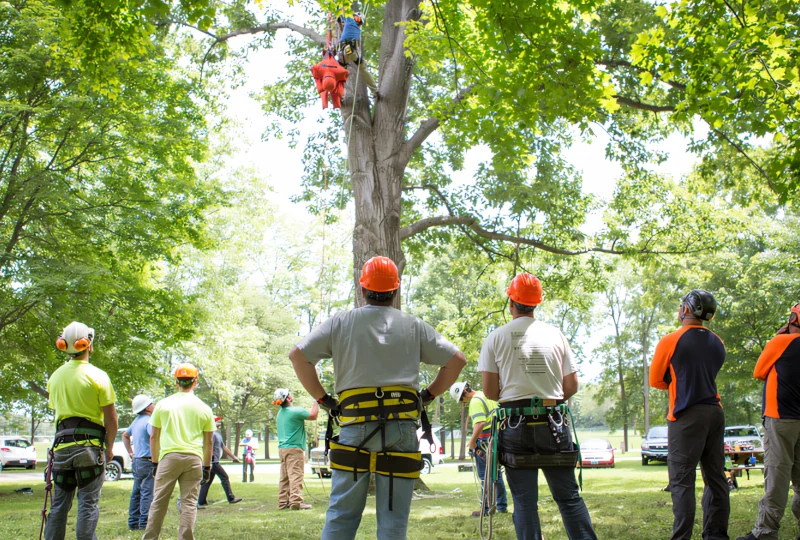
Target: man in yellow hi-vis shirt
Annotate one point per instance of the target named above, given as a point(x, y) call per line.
point(86, 419)
point(181, 447)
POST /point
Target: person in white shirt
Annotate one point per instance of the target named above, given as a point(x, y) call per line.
point(528, 364)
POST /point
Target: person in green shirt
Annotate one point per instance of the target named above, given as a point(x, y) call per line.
point(479, 409)
point(86, 419)
point(291, 423)
point(181, 447)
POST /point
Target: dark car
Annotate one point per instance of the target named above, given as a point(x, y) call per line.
point(654, 446)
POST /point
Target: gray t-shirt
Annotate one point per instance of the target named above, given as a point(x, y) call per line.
point(218, 442)
point(376, 346)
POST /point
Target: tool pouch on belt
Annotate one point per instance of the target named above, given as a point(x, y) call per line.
point(540, 461)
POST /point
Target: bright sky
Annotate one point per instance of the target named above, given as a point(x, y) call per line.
point(284, 165)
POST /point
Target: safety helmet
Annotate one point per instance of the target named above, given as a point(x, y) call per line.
point(248, 433)
point(380, 275)
point(457, 390)
point(217, 419)
point(280, 396)
point(76, 338)
point(141, 402)
point(701, 304)
point(794, 315)
point(185, 371)
point(525, 289)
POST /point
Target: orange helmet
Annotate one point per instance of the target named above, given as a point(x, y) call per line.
point(525, 289)
point(794, 316)
point(380, 275)
point(185, 371)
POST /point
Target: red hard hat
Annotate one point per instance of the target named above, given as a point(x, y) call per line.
point(380, 275)
point(525, 289)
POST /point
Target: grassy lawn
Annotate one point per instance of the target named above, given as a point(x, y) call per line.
point(625, 502)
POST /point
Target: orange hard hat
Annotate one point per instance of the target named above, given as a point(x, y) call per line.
point(185, 371)
point(380, 275)
point(525, 289)
point(795, 314)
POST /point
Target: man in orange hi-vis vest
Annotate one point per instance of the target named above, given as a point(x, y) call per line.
point(686, 363)
point(779, 368)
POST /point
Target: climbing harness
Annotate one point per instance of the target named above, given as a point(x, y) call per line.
point(71, 430)
point(540, 411)
point(381, 405)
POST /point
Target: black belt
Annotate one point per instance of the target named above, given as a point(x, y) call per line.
point(524, 403)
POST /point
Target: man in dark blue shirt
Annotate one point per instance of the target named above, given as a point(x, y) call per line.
point(141, 465)
point(686, 363)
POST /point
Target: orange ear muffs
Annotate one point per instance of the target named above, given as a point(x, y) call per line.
point(82, 344)
point(61, 343)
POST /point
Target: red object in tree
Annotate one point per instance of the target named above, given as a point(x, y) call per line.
point(330, 77)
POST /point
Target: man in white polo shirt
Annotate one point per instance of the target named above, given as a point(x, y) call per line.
point(528, 366)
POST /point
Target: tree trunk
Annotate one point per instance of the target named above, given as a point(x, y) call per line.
point(266, 441)
point(624, 402)
point(228, 435)
point(452, 445)
point(462, 453)
point(374, 140)
point(646, 384)
point(33, 424)
point(238, 437)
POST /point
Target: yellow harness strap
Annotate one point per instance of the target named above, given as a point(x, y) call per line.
point(368, 404)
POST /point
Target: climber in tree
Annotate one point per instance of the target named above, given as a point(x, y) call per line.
point(350, 45)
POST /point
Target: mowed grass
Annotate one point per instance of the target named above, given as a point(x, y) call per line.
point(626, 502)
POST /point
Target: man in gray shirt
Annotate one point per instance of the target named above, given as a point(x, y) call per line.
point(376, 352)
point(217, 470)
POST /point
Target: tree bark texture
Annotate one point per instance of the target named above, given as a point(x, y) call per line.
point(375, 136)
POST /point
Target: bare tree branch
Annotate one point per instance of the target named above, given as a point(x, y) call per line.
point(739, 149)
point(472, 223)
point(39, 390)
point(285, 25)
point(643, 106)
point(427, 127)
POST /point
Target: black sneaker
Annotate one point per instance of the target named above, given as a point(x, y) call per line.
point(236, 500)
point(749, 536)
point(202, 506)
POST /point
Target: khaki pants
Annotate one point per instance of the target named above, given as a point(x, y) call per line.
point(291, 482)
point(187, 470)
point(781, 466)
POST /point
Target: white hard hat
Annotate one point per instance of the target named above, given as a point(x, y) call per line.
point(248, 433)
point(457, 389)
point(141, 402)
point(280, 396)
point(76, 338)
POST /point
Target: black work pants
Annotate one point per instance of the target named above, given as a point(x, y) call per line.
point(697, 436)
point(216, 470)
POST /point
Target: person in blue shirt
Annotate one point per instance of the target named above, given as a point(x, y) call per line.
point(142, 466)
point(350, 46)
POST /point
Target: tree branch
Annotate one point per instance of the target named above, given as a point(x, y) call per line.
point(751, 160)
point(39, 390)
point(643, 106)
point(472, 223)
point(427, 127)
point(285, 25)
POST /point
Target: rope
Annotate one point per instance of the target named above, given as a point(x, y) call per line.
point(358, 72)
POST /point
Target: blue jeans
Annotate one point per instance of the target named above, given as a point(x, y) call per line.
point(88, 495)
point(524, 484)
point(348, 496)
point(502, 500)
point(142, 494)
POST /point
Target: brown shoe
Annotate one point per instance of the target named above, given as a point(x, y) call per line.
point(301, 507)
point(476, 513)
